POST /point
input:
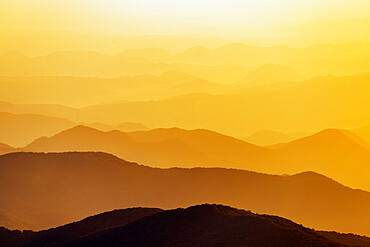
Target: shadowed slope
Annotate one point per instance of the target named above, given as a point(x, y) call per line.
point(61, 188)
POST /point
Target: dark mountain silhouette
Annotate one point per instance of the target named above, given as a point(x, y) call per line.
point(346, 239)
point(64, 187)
point(310, 60)
point(204, 225)
point(207, 225)
point(75, 230)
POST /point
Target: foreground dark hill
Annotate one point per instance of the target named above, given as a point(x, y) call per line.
point(64, 187)
point(204, 225)
point(69, 232)
point(207, 225)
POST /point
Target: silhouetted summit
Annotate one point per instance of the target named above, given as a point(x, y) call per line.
point(75, 230)
point(208, 225)
point(201, 225)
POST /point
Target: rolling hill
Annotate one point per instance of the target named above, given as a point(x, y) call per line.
point(64, 187)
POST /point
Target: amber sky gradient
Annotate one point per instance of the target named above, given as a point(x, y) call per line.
point(263, 22)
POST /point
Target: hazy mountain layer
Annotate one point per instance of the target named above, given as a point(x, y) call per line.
point(335, 153)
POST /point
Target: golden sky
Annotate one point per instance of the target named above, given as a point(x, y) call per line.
point(144, 16)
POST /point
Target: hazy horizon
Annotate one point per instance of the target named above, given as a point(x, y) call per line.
point(118, 104)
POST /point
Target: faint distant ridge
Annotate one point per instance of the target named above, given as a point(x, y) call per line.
point(124, 126)
point(271, 73)
point(363, 132)
point(310, 61)
point(270, 137)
